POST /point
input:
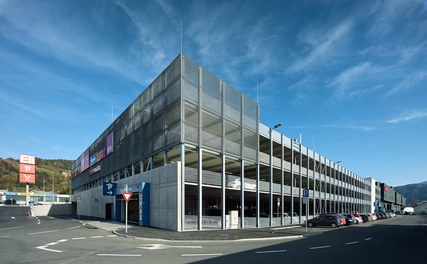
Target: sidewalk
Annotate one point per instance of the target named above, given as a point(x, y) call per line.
point(279, 232)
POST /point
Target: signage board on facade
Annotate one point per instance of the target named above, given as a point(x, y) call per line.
point(109, 188)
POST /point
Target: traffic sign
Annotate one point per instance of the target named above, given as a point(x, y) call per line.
point(127, 196)
point(305, 192)
point(109, 188)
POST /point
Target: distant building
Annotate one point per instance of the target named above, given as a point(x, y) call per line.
point(192, 151)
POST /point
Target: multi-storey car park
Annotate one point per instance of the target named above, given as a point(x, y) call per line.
point(192, 151)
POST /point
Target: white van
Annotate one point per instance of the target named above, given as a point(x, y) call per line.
point(408, 210)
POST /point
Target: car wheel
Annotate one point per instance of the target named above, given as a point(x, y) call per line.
point(310, 224)
point(333, 225)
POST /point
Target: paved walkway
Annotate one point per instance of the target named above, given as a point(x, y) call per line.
point(205, 235)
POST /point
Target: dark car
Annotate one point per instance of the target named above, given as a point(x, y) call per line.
point(325, 220)
point(10, 202)
point(350, 219)
point(365, 218)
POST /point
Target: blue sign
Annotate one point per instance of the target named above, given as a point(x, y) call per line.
point(305, 193)
point(109, 188)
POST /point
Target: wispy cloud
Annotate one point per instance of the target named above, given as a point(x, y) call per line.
point(353, 81)
point(365, 126)
point(407, 83)
point(323, 46)
point(87, 43)
point(408, 116)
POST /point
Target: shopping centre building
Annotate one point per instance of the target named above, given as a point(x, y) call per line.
point(192, 151)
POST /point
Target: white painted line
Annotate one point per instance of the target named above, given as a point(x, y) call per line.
point(8, 228)
point(320, 247)
point(285, 227)
point(368, 238)
point(48, 249)
point(51, 244)
point(4, 236)
point(70, 228)
point(271, 251)
point(62, 240)
point(43, 232)
point(351, 243)
point(163, 246)
point(78, 238)
point(111, 235)
point(119, 255)
point(97, 237)
point(269, 238)
point(201, 255)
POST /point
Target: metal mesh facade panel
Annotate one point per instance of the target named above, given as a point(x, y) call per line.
point(191, 80)
point(232, 103)
point(191, 121)
point(211, 92)
point(211, 130)
point(220, 105)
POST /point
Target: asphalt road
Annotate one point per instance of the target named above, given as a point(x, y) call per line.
point(53, 240)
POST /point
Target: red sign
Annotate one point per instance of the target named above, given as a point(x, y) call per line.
point(26, 168)
point(28, 178)
point(127, 196)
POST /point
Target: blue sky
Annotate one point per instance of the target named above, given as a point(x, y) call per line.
point(350, 76)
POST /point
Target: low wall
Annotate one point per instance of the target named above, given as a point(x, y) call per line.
point(51, 210)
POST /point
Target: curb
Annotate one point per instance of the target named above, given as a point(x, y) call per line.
point(213, 241)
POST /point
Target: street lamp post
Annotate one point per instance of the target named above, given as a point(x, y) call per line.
point(271, 172)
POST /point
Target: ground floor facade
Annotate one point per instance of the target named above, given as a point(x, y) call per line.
point(197, 189)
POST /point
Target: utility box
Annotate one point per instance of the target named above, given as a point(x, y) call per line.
point(234, 219)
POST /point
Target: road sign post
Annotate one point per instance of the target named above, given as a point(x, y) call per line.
point(27, 173)
point(126, 195)
point(306, 200)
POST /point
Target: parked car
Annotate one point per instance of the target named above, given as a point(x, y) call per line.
point(10, 202)
point(358, 218)
point(383, 215)
point(365, 218)
point(374, 216)
point(350, 219)
point(325, 220)
point(392, 214)
point(340, 216)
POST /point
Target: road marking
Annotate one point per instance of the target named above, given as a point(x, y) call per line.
point(48, 249)
point(97, 237)
point(201, 255)
point(321, 247)
point(112, 235)
point(4, 236)
point(78, 238)
point(351, 243)
point(368, 238)
point(70, 228)
point(285, 227)
point(271, 251)
point(8, 228)
point(43, 232)
point(119, 255)
point(163, 246)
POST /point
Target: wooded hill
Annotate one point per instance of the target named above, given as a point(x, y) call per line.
point(46, 170)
